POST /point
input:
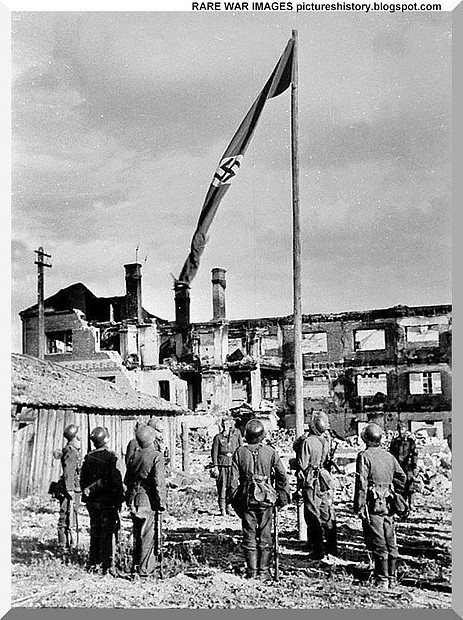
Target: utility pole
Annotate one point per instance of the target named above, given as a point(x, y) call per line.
point(40, 262)
point(298, 376)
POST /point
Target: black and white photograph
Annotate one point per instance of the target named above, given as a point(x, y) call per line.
point(231, 308)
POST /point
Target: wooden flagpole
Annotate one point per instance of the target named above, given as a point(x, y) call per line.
point(298, 378)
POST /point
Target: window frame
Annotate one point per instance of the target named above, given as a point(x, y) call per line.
point(430, 382)
point(163, 384)
point(52, 337)
point(379, 330)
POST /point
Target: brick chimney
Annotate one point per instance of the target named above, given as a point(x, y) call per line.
point(133, 291)
point(219, 284)
point(182, 304)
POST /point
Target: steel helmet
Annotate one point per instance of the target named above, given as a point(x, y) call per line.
point(320, 423)
point(99, 436)
point(144, 436)
point(254, 431)
point(372, 434)
point(156, 425)
point(70, 431)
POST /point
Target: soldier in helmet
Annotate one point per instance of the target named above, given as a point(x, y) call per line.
point(103, 493)
point(146, 494)
point(132, 445)
point(378, 473)
point(257, 467)
point(224, 445)
point(314, 482)
point(70, 500)
point(403, 448)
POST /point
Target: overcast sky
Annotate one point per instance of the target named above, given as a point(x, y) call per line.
point(120, 119)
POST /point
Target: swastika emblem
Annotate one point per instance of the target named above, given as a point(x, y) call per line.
point(227, 170)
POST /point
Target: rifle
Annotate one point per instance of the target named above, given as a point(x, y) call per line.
point(276, 546)
point(159, 541)
point(330, 460)
point(76, 517)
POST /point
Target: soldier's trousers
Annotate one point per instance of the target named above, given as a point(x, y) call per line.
point(144, 541)
point(320, 520)
point(103, 526)
point(223, 484)
point(257, 528)
point(67, 518)
point(379, 535)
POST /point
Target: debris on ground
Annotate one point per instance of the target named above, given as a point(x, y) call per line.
point(203, 561)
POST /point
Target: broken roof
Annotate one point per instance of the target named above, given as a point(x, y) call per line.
point(78, 296)
point(40, 383)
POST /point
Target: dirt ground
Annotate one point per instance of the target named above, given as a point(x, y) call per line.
point(203, 563)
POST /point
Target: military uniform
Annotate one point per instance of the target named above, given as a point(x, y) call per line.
point(404, 449)
point(70, 501)
point(223, 447)
point(146, 493)
point(378, 472)
point(256, 516)
point(314, 482)
point(103, 493)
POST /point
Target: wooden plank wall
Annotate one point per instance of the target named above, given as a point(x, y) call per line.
point(33, 466)
point(23, 441)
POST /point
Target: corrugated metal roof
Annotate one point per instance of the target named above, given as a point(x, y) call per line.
point(39, 383)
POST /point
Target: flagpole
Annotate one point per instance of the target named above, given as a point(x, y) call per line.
point(298, 378)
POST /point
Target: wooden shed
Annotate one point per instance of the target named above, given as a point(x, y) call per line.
point(46, 397)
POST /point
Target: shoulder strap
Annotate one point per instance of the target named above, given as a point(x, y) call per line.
point(254, 458)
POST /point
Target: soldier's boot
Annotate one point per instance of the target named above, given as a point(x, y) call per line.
point(250, 555)
point(263, 572)
point(223, 510)
point(61, 539)
point(392, 566)
point(381, 574)
point(331, 537)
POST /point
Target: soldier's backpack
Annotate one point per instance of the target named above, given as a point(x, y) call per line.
point(260, 490)
point(378, 499)
point(57, 489)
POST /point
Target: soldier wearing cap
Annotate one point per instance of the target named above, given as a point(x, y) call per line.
point(103, 493)
point(258, 482)
point(315, 485)
point(70, 499)
point(146, 495)
point(377, 474)
point(224, 445)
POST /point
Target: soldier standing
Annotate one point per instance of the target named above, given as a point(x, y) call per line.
point(314, 482)
point(70, 500)
point(224, 445)
point(132, 445)
point(403, 448)
point(103, 493)
point(378, 473)
point(254, 463)
point(146, 495)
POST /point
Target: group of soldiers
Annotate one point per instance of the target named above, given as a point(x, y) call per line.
point(250, 478)
point(98, 483)
point(247, 472)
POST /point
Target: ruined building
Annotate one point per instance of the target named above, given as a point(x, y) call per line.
point(381, 364)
